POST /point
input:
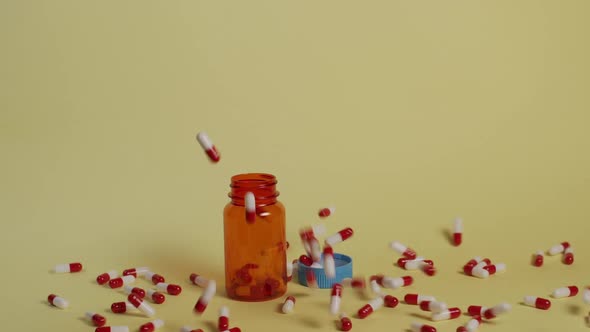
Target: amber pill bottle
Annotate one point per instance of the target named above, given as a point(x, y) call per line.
point(255, 251)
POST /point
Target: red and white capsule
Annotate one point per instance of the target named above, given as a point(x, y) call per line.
point(140, 304)
point(458, 232)
point(112, 329)
point(103, 278)
point(171, 289)
point(433, 306)
point(121, 281)
point(288, 305)
point(345, 322)
point(416, 299)
point(354, 282)
point(136, 271)
point(311, 280)
point(476, 310)
point(135, 290)
point(394, 283)
point(558, 248)
point(312, 231)
point(208, 146)
point(390, 301)
point(494, 311)
point(154, 277)
point(471, 325)
point(537, 302)
point(198, 280)
point(96, 319)
point(156, 297)
point(289, 267)
point(450, 313)
point(478, 271)
point(403, 250)
point(495, 268)
point(151, 326)
point(57, 301)
point(326, 212)
point(206, 297)
point(586, 295)
point(315, 249)
point(250, 204)
point(335, 298)
point(336, 238)
point(538, 258)
point(122, 307)
point(369, 308)
point(329, 263)
point(68, 268)
point(568, 256)
point(223, 319)
point(568, 291)
point(375, 288)
point(419, 327)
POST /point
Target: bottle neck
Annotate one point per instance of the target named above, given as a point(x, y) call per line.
point(262, 185)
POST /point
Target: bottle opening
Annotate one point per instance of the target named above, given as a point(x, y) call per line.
point(262, 185)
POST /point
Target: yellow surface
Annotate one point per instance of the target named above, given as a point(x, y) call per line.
point(404, 114)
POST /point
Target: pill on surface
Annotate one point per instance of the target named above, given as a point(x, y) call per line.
point(135, 290)
point(390, 301)
point(151, 326)
point(105, 277)
point(122, 307)
point(154, 277)
point(537, 302)
point(370, 307)
point(419, 327)
point(136, 271)
point(68, 268)
point(471, 325)
point(433, 306)
point(140, 304)
point(57, 301)
point(494, 268)
point(171, 289)
point(458, 232)
point(223, 319)
point(198, 280)
point(450, 313)
point(538, 258)
point(354, 282)
point(345, 322)
point(416, 299)
point(288, 305)
point(96, 319)
point(558, 248)
point(156, 297)
point(326, 212)
point(206, 297)
point(335, 298)
point(402, 249)
point(395, 283)
point(121, 281)
point(476, 310)
point(568, 291)
point(568, 256)
point(494, 311)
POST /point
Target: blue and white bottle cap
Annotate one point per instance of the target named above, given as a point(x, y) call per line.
point(343, 270)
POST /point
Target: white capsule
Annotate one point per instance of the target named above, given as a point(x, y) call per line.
point(288, 305)
point(209, 291)
point(499, 309)
point(329, 266)
point(458, 226)
point(472, 325)
point(558, 248)
point(59, 302)
point(376, 303)
point(316, 250)
point(414, 264)
point(335, 301)
point(289, 269)
point(204, 141)
point(480, 272)
point(586, 295)
point(375, 288)
point(398, 247)
point(565, 292)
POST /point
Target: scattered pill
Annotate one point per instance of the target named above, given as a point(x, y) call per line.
point(57, 301)
point(171, 289)
point(288, 305)
point(305, 260)
point(289, 267)
point(312, 231)
point(122, 307)
point(136, 271)
point(145, 308)
point(96, 319)
point(370, 307)
point(326, 212)
point(428, 269)
point(537, 302)
point(345, 322)
point(415, 299)
point(494, 268)
point(135, 290)
point(156, 297)
point(223, 319)
point(413, 264)
point(250, 204)
point(105, 277)
point(494, 311)
point(151, 326)
point(390, 301)
point(450, 313)
point(458, 232)
point(335, 298)
point(375, 288)
point(68, 268)
point(419, 327)
point(538, 258)
point(154, 277)
point(198, 280)
point(395, 283)
point(568, 291)
point(403, 250)
point(315, 249)
point(342, 235)
point(568, 257)
point(586, 295)
point(206, 297)
point(433, 306)
point(558, 248)
point(476, 310)
point(479, 271)
point(474, 261)
point(208, 146)
point(112, 329)
point(354, 282)
point(187, 328)
point(471, 325)
point(121, 281)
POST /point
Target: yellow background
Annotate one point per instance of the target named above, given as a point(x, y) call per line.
point(404, 114)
